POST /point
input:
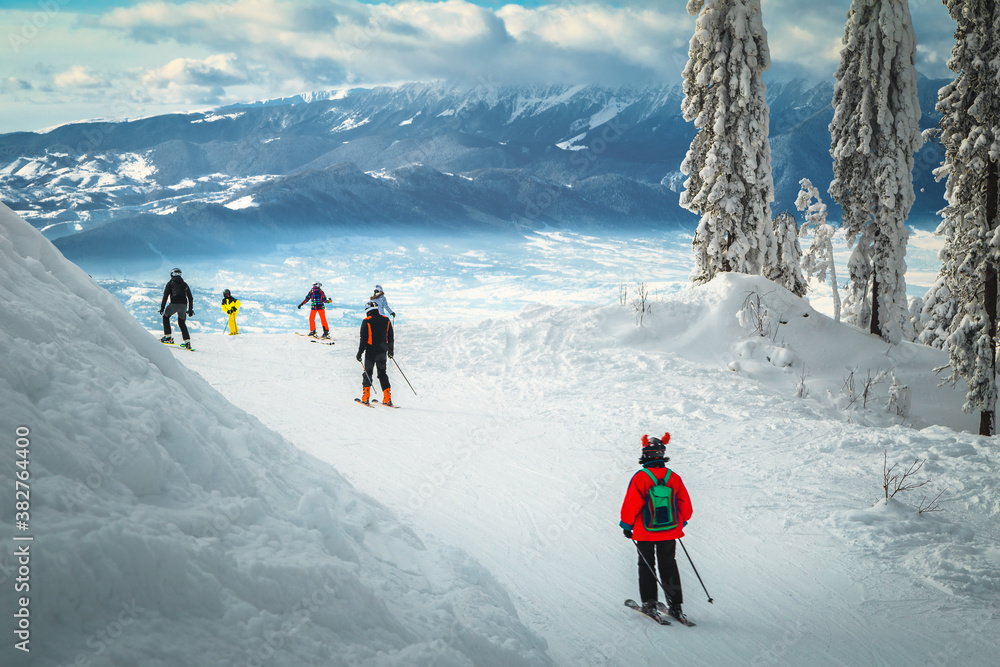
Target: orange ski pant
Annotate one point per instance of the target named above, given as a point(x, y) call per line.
point(322, 318)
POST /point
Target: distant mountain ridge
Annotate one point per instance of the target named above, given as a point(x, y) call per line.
point(422, 154)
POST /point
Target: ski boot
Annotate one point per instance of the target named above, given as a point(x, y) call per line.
point(651, 608)
point(675, 612)
point(326, 334)
point(167, 340)
point(186, 345)
point(366, 393)
point(312, 333)
point(387, 397)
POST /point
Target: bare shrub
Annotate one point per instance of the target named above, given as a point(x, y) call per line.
point(932, 504)
point(754, 315)
point(857, 388)
point(642, 303)
point(893, 483)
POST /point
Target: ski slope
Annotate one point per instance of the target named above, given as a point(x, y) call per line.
point(158, 525)
point(524, 431)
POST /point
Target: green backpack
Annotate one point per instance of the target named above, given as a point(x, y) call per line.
point(660, 512)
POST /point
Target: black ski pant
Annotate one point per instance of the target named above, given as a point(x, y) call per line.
point(664, 553)
point(181, 311)
point(373, 359)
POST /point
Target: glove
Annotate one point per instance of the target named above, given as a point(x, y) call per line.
point(390, 355)
point(161, 311)
point(393, 316)
point(190, 312)
point(628, 534)
point(359, 356)
point(685, 524)
point(300, 306)
point(329, 300)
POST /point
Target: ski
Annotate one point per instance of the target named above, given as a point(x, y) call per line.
point(367, 405)
point(189, 349)
point(375, 400)
point(659, 618)
point(683, 620)
point(314, 339)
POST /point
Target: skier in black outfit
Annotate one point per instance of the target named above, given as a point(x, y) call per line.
point(181, 301)
point(376, 344)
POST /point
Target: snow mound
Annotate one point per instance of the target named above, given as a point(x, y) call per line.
point(171, 528)
point(763, 332)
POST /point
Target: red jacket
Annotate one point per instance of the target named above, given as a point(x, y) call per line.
point(635, 503)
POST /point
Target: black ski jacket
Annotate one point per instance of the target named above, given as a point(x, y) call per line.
point(376, 334)
point(178, 292)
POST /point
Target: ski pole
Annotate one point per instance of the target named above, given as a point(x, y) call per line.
point(365, 371)
point(651, 569)
point(693, 568)
point(404, 377)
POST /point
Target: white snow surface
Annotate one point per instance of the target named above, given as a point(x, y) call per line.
point(241, 203)
point(516, 447)
point(524, 431)
point(171, 528)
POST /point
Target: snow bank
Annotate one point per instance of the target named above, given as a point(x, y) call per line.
point(765, 333)
point(171, 528)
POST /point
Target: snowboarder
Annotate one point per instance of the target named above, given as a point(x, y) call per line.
point(181, 301)
point(376, 344)
point(378, 296)
point(231, 306)
point(319, 300)
point(654, 520)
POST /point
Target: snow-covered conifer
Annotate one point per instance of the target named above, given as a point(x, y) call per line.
point(818, 261)
point(787, 270)
point(963, 301)
point(938, 307)
point(875, 132)
point(729, 162)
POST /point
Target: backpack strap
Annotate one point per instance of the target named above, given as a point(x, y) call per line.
point(656, 482)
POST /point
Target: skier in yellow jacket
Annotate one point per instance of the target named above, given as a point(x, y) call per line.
point(231, 306)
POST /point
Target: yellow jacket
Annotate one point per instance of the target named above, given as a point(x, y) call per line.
point(231, 307)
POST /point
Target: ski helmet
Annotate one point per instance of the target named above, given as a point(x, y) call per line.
point(175, 273)
point(653, 449)
point(378, 290)
point(317, 284)
point(370, 306)
point(226, 292)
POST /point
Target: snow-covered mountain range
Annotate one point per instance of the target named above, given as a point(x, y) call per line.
point(493, 156)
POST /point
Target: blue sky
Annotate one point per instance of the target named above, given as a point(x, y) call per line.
point(65, 60)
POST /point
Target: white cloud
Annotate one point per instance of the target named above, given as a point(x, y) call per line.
point(78, 76)
point(215, 70)
point(338, 41)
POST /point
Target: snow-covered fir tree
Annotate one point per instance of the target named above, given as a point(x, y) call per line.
point(818, 261)
point(787, 269)
point(729, 163)
point(963, 301)
point(875, 132)
point(938, 307)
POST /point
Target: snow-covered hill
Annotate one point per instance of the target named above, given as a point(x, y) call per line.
point(428, 154)
point(171, 528)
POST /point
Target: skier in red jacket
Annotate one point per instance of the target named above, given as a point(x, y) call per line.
point(655, 527)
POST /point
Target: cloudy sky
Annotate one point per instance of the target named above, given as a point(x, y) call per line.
point(65, 60)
